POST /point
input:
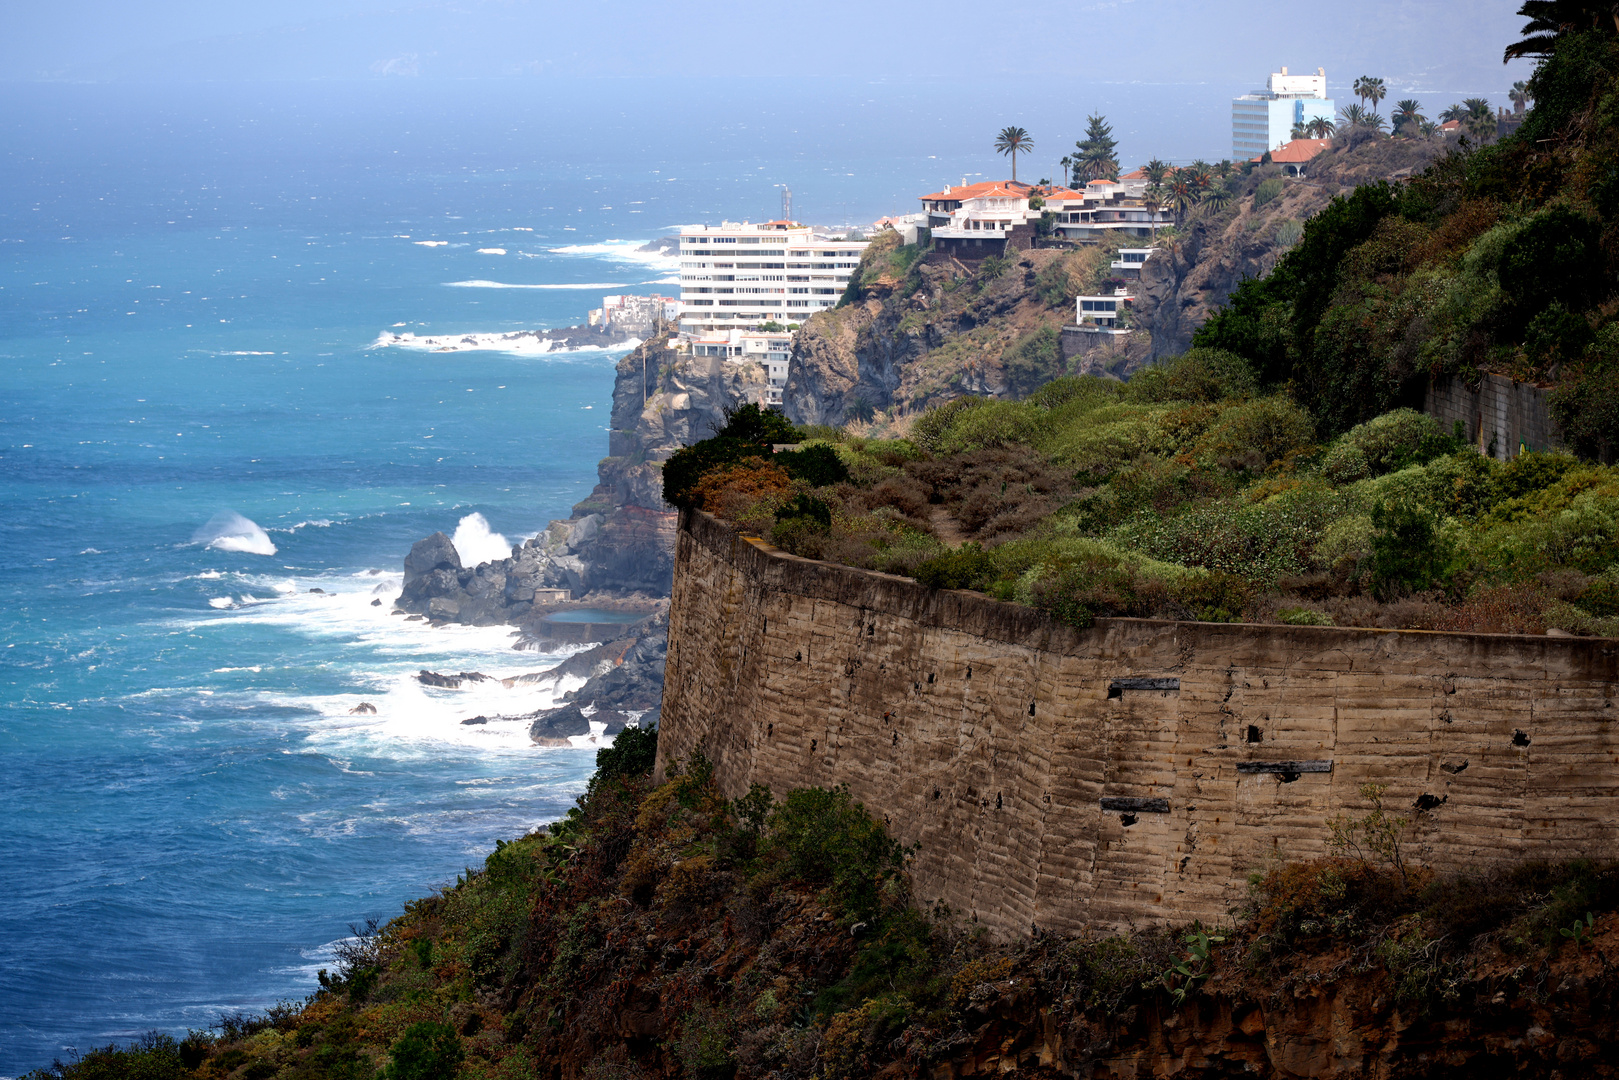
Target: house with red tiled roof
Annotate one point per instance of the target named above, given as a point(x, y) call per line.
point(1295, 156)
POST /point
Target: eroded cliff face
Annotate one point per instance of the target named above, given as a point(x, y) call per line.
point(910, 343)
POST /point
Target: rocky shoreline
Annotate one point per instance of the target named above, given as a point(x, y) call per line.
point(606, 570)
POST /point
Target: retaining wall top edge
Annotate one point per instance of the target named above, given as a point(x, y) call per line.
point(976, 613)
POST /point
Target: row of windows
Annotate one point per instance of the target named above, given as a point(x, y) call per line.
point(1098, 305)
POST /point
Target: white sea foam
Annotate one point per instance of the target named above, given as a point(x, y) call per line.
point(430, 243)
point(230, 531)
point(491, 251)
point(479, 283)
point(621, 251)
point(529, 342)
point(221, 602)
point(476, 543)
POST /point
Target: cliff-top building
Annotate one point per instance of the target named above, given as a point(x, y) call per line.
point(1264, 119)
point(736, 277)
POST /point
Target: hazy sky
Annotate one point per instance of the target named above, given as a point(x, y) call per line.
point(972, 48)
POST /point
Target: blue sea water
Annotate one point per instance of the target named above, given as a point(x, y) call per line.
point(192, 284)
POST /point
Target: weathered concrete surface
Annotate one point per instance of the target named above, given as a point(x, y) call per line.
point(1501, 417)
point(991, 736)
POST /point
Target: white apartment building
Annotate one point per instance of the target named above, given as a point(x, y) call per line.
point(738, 276)
point(1106, 206)
point(1264, 120)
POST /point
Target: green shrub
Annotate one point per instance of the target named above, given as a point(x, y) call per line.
point(1396, 439)
point(634, 753)
point(1268, 191)
point(822, 836)
point(1408, 552)
point(154, 1056)
point(809, 508)
point(930, 429)
point(426, 1051)
point(1302, 616)
point(1200, 374)
point(818, 465)
point(968, 567)
point(1345, 463)
point(748, 431)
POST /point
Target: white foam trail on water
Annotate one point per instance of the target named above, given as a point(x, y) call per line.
point(476, 543)
point(622, 251)
point(230, 531)
point(520, 342)
point(479, 283)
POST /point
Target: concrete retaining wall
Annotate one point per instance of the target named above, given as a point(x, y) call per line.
point(1509, 416)
point(1139, 770)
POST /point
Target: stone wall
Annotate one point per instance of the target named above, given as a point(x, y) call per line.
point(1135, 772)
point(1510, 416)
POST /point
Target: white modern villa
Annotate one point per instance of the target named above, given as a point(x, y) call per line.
point(1264, 120)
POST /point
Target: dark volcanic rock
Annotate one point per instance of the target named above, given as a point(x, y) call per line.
point(437, 552)
point(451, 682)
point(476, 720)
point(553, 727)
point(634, 680)
point(364, 708)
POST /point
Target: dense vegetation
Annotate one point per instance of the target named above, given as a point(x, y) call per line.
point(668, 931)
point(1191, 492)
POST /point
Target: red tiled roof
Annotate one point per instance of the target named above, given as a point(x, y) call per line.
point(1135, 174)
point(1450, 125)
point(973, 191)
point(1297, 152)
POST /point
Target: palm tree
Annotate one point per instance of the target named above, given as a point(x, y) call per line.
point(1351, 117)
point(1155, 171)
point(1428, 128)
point(1374, 121)
point(1182, 197)
point(1218, 198)
point(1479, 119)
point(1011, 142)
point(1360, 89)
point(1321, 127)
point(1223, 169)
point(1407, 113)
point(1375, 91)
point(1152, 199)
point(1452, 112)
point(1520, 95)
point(1301, 130)
point(1549, 20)
point(1201, 175)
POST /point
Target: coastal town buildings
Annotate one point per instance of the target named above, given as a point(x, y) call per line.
point(644, 315)
point(739, 276)
point(769, 348)
point(1264, 119)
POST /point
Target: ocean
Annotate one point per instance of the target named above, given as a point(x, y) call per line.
point(198, 431)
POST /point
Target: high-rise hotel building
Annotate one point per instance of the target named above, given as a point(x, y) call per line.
point(737, 276)
point(1264, 120)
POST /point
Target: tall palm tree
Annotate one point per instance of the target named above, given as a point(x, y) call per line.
point(1359, 89)
point(1321, 127)
point(1155, 171)
point(1223, 169)
point(1549, 20)
point(1350, 117)
point(1201, 175)
point(1182, 197)
point(1011, 142)
point(1452, 112)
point(1375, 90)
point(1153, 199)
point(1301, 130)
